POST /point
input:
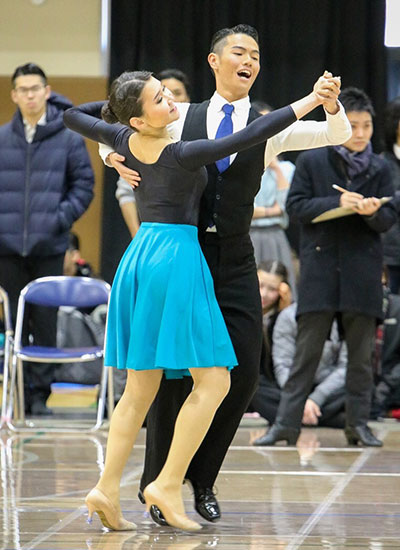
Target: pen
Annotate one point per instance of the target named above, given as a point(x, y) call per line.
point(341, 189)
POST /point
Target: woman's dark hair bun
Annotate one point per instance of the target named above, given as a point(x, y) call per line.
point(108, 114)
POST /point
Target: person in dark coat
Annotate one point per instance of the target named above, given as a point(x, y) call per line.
point(46, 183)
point(341, 268)
point(391, 239)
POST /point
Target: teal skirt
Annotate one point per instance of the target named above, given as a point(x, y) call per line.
point(163, 313)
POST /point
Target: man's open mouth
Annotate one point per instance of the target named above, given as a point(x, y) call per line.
point(244, 73)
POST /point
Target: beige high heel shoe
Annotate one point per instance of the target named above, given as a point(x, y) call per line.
point(110, 517)
point(154, 497)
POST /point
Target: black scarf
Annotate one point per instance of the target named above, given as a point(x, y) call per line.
point(356, 162)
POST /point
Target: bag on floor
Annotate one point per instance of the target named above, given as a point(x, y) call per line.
point(78, 329)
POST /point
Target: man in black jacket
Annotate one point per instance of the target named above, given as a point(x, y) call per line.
point(46, 182)
point(341, 267)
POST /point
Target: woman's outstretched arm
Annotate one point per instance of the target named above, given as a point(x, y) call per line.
point(201, 152)
point(86, 120)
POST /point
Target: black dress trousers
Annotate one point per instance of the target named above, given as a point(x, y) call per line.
point(232, 265)
point(313, 330)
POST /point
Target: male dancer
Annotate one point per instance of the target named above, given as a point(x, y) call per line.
point(224, 235)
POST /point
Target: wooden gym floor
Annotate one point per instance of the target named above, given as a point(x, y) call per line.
point(320, 495)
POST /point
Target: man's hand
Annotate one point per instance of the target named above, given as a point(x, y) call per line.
point(327, 90)
point(351, 200)
point(311, 413)
point(368, 207)
point(131, 176)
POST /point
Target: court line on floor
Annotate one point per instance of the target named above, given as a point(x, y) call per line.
point(307, 473)
point(55, 528)
point(291, 448)
point(319, 512)
point(282, 448)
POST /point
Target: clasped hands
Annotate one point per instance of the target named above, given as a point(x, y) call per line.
point(357, 202)
point(327, 90)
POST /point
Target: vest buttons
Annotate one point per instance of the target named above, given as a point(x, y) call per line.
point(215, 216)
point(219, 179)
point(318, 248)
point(217, 197)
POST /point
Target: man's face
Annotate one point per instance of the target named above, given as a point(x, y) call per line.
point(30, 94)
point(362, 129)
point(177, 88)
point(236, 66)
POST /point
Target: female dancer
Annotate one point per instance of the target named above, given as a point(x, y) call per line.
point(163, 314)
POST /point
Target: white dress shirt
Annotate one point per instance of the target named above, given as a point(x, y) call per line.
point(31, 130)
point(300, 135)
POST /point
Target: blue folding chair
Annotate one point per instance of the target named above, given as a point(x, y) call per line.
point(5, 353)
point(79, 292)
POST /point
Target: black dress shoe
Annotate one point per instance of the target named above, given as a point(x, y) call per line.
point(278, 433)
point(362, 434)
point(205, 502)
point(155, 512)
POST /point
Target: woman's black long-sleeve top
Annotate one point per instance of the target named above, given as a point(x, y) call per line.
point(171, 188)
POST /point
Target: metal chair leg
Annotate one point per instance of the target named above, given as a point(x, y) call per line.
point(110, 388)
point(8, 343)
point(21, 395)
point(102, 399)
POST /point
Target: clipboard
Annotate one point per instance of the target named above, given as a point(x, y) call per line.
point(340, 212)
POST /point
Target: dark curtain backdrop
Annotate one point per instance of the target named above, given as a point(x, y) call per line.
point(298, 40)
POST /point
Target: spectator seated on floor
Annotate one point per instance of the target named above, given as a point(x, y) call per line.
point(386, 395)
point(275, 295)
point(325, 404)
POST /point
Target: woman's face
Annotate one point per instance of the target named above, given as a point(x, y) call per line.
point(177, 89)
point(269, 289)
point(158, 105)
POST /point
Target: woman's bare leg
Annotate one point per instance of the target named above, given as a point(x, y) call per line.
point(127, 419)
point(194, 419)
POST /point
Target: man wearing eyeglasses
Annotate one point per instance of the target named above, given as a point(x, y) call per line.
point(46, 183)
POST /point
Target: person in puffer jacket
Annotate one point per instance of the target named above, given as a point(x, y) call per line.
point(46, 184)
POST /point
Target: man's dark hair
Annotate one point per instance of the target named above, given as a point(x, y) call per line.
point(177, 74)
point(219, 39)
point(354, 99)
point(392, 119)
point(28, 68)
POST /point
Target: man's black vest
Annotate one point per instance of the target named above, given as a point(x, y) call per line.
point(228, 198)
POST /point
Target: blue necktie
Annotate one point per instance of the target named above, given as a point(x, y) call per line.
point(225, 129)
